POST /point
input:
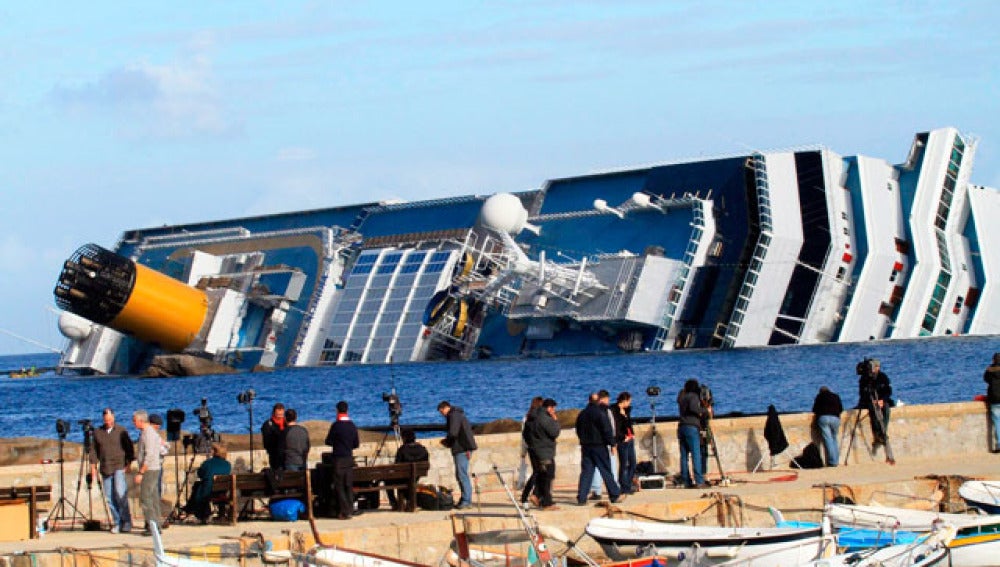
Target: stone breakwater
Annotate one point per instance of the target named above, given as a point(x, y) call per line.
point(942, 439)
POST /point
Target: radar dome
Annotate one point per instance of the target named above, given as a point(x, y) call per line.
point(504, 212)
point(74, 327)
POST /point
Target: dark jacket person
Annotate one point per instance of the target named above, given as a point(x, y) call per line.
point(343, 438)
point(992, 379)
point(200, 502)
point(540, 433)
point(272, 434)
point(593, 429)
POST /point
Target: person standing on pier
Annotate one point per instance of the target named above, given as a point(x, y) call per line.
point(541, 433)
point(462, 443)
point(272, 435)
point(827, 408)
point(296, 445)
point(113, 451)
point(625, 438)
point(691, 412)
point(992, 379)
point(343, 438)
point(148, 475)
point(593, 429)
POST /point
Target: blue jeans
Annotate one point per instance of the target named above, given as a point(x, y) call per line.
point(995, 415)
point(462, 476)
point(595, 486)
point(689, 440)
point(829, 427)
point(116, 493)
point(626, 465)
point(596, 457)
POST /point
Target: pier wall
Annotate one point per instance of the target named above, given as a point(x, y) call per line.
point(921, 431)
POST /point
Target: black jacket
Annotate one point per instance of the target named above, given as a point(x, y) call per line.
point(540, 433)
point(992, 377)
point(412, 453)
point(828, 403)
point(459, 438)
point(690, 409)
point(877, 386)
point(623, 422)
point(273, 438)
point(343, 438)
point(593, 426)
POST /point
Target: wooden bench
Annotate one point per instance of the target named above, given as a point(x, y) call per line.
point(32, 495)
point(392, 476)
point(230, 489)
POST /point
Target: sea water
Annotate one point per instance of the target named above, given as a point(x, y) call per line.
point(922, 371)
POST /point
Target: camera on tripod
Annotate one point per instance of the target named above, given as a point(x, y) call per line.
point(705, 395)
point(395, 406)
point(653, 391)
point(62, 428)
point(246, 397)
point(202, 442)
point(865, 367)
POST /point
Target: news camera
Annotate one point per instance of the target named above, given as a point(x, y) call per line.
point(395, 406)
point(202, 441)
point(246, 397)
point(864, 368)
point(705, 395)
point(653, 391)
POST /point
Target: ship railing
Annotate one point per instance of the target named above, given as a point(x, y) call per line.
point(676, 291)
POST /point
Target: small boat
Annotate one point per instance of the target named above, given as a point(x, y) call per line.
point(24, 373)
point(981, 494)
point(624, 539)
point(927, 551)
point(976, 542)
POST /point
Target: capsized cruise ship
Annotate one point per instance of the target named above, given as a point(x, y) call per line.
point(801, 246)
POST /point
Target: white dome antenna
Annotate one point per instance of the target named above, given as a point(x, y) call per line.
point(504, 212)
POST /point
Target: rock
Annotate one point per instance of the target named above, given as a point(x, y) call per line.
point(168, 365)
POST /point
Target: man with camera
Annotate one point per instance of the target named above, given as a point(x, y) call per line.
point(110, 454)
point(875, 395)
point(692, 411)
point(272, 434)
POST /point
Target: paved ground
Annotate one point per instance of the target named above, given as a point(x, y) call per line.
point(778, 486)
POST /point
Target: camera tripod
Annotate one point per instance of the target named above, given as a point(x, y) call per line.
point(381, 445)
point(60, 511)
point(709, 444)
point(874, 415)
point(654, 439)
point(178, 513)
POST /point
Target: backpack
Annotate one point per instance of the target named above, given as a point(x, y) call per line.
point(286, 510)
point(431, 497)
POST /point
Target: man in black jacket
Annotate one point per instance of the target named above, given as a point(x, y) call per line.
point(593, 429)
point(540, 433)
point(462, 443)
point(992, 378)
point(875, 395)
point(625, 439)
point(691, 412)
point(343, 438)
point(409, 452)
point(827, 408)
point(272, 434)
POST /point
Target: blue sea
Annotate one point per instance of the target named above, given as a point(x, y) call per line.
point(946, 369)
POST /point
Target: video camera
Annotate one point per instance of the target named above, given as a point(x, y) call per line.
point(705, 395)
point(246, 397)
point(202, 442)
point(864, 368)
point(395, 406)
point(653, 391)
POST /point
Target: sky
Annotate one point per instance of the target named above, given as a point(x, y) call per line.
point(120, 116)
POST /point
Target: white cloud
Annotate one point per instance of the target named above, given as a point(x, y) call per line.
point(178, 99)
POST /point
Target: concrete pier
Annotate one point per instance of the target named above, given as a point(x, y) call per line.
point(935, 447)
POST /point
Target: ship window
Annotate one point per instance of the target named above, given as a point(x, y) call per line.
point(416, 258)
point(361, 269)
point(440, 256)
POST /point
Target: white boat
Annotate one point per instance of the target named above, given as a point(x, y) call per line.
point(623, 539)
point(163, 559)
point(982, 494)
point(976, 542)
point(930, 550)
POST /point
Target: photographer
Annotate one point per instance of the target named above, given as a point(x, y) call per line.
point(875, 395)
point(272, 435)
point(199, 504)
point(409, 452)
point(113, 451)
point(462, 443)
point(343, 438)
point(692, 411)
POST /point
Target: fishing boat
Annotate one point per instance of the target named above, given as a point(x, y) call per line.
point(981, 494)
point(976, 542)
point(623, 539)
point(927, 551)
